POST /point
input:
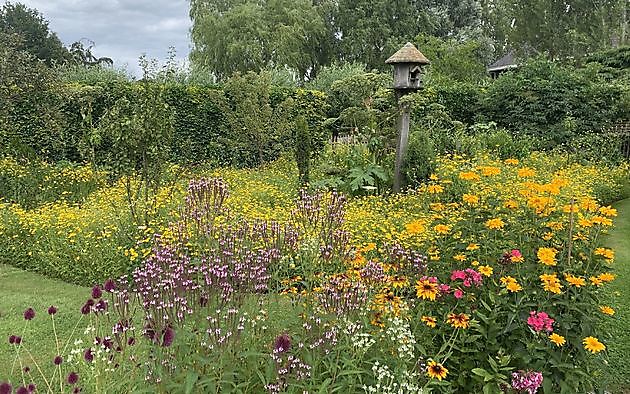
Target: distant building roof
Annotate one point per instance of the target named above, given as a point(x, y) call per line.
point(408, 54)
point(504, 63)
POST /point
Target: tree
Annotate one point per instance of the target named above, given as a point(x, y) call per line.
point(37, 39)
point(83, 56)
point(242, 35)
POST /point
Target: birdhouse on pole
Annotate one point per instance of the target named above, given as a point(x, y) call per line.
point(408, 63)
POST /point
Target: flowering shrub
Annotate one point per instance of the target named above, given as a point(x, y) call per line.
point(485, 279)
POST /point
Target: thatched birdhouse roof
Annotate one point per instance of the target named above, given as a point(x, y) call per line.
point(408, 54)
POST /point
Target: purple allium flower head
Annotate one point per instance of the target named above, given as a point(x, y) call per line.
point(21, 390)
point(109, 285)
point(282, 343)
point(169, 336)
point(5, 388)
point(12, 339)
point(29, 314)
point(31, 388)
point(26, 369)
point(52, 310)
point(131, 341)
point(97, 292)
point(73, 378)
point(17, 340)
point(57, 360)
point(76, 390)
point(88, 356)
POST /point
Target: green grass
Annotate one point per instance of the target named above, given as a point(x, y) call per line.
point(20, 290)
point(618, 374)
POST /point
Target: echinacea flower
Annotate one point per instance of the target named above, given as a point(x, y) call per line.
point(436, 370)
point(29, 314)
point(426, 289)
point(557, 339)
point(593, 345)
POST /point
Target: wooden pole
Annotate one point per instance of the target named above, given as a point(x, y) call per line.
point(401, 146)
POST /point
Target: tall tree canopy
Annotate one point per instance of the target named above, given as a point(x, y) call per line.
point(37, 39)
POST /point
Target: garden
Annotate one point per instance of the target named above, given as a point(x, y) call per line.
point(170, 234)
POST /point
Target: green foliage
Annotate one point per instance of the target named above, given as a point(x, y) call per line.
point(328, 75)
point(37, 39)
point(302, 149)
point(552, 103)
point(419, 160)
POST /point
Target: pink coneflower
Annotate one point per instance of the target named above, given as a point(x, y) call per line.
point(73, 378)
point(5, 388)
point(29, 314)
point(52, 310)
point(96, 292)
point(57, 360)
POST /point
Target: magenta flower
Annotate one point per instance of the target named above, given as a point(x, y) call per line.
point(458, 293)
point(444, 288)
point(469, 277)
point(539, 321)
point(527, 382)
point(29, 314)
point(14, 339)
point(96, 292)
point(457, 274)
point(57, 360)
point(21, 390)
point(5, 388)
point(52, 310)
point(73, 378)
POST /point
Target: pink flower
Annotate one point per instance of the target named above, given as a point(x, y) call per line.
point(458, 275)
point(539, 321)
point(516, 253)
point(469, 277)
point(458, 294)
point(444, 288)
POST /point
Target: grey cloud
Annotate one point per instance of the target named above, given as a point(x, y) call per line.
point(121, 29)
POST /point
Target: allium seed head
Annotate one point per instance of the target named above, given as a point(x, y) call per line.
point(88, 356)
point(169, 336)
point(29, 314)
point(21, 390)
point(282, 343)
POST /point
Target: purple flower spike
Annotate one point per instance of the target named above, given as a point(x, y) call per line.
point(29, 314)
point(73, 378)
point(52, 310)
point(5, 388)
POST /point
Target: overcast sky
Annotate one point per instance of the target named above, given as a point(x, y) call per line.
point(121, 29)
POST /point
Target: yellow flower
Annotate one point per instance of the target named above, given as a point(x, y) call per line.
point(606, 253)
point(436, 370)
point(489, 170)
point(415, 227)
point(485, 270)
point(469, 176)
point(398, 281)
point(596, 281)
point(435, 189)
point(608, 211)
point(551, 283)
point(525, 172)
point(433, 177)
point(510, 204)
point(511, 284)
point(593, 345)
point(585, 223)
point(429, 321)
point(442, 229)
point(602, 220)
point(557, 339)
point(606, 277)
point(459, 257)
point(512, 162)
point(576, 281)
point(426, 289)
point(607, 310)
point(460, 320)
point(470, 199)
point(547, 256)
point(472, 247)
point(495, 224)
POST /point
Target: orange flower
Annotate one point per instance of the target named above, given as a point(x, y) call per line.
point(460, 320)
